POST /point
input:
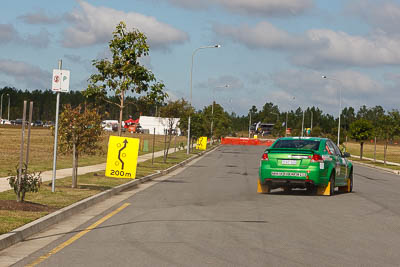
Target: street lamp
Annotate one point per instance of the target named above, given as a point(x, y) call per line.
point(191, 81)
point(8, 114)
point(340, 104)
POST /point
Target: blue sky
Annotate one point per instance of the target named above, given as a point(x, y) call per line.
point(272, 50)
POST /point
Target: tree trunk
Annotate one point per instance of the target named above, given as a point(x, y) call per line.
point(361, 150)
point(74, 166)
point(121, 108)
point(384, 151)
point(169, 143)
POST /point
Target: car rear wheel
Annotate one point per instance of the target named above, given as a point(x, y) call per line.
point(332, 184)
point(351, 181)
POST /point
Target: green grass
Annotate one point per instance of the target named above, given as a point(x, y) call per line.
point(41, 149)
point(393, 152)
point(88, 185)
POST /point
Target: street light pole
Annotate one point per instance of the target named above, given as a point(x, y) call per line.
point(191, 81)
point(302, 126)
point(8, 114)
point(1, 106)
point(340, 104)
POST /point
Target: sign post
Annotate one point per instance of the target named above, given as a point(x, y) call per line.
point(60, 83)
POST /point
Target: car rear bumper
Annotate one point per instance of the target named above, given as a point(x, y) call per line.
point(299, 178)
point(292, 183)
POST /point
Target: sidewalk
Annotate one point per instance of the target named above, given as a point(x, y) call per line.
point(62, 173)
point(378, 160)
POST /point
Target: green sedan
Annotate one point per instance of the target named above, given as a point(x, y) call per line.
point(313, 163)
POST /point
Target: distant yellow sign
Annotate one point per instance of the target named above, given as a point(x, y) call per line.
point(255, 136)
point(201, 143)
point(122, 157)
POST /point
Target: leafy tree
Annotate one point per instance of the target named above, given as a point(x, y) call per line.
point(316, 131)
point(124, 73)
point(361, 130)
point(79, 132)
point(222, 125)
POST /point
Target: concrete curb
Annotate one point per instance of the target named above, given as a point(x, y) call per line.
point(23, 232)
point(377, 167)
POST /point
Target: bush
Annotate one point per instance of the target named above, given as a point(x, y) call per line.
point(30, 182)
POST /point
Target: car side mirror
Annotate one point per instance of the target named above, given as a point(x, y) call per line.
point(346, 154)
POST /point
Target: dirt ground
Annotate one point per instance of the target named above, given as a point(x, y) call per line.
point(24, 206)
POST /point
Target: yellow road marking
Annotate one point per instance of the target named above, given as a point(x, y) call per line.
point(77, 236)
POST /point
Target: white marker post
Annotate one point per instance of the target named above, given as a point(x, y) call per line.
point(60, 84)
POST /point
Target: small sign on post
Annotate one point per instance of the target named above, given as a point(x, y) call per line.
point(60, 81)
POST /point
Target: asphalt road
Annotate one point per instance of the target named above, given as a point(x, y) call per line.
point(211, 215)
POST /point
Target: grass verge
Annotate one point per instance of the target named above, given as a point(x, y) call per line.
point(377, 164)
point(88, 185)
point(41, 149)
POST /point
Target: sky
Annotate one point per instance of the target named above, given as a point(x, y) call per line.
point(271, 50)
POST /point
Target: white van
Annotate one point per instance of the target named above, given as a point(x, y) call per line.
point(107, 124)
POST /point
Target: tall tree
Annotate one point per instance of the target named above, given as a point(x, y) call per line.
point(361, 130)
point(124, 72)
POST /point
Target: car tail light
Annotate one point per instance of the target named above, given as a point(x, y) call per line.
point(317, 158)
point(265, 156)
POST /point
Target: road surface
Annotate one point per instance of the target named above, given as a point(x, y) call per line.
point(210, 215)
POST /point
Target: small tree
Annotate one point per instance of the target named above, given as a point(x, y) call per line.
point(79, 132)
point(172, 111)
point(30, 182)
point(361, 130)
point(124, 73)
point(387, 128)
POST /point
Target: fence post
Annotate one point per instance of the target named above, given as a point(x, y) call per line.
point(154, 140)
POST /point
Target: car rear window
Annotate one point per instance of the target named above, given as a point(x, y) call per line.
point(298, 144)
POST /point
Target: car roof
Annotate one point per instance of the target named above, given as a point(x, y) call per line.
point(303, 138)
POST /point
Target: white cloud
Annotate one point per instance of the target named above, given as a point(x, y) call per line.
point(8, 33)
point(267, 7)
point(39, 40)
point(222, 83)
point(310, 89)
point(94, 25)
point(26, 74)
point(40, 17)
point(318, 48)
point(382, 15)
point(252, 7)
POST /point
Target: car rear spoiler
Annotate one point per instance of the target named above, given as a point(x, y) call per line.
point(291, 150)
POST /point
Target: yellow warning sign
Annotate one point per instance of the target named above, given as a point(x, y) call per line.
point(122, 157)
point(201, 143)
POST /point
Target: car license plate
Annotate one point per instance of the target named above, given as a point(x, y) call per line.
point(289, 162)
point(294, 174)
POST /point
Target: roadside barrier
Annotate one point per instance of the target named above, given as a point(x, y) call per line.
point(245, 141)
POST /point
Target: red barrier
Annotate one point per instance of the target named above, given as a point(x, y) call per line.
point(245, 141)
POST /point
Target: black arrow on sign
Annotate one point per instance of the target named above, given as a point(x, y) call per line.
point(119, 153)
